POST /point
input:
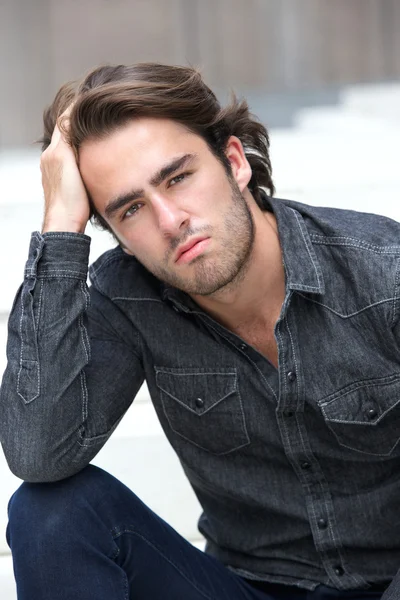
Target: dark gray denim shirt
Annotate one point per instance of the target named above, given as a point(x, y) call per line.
point(298, 468)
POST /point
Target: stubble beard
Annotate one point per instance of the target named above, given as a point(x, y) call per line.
point(216, 275)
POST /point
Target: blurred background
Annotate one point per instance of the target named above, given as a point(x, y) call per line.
point(323, 75)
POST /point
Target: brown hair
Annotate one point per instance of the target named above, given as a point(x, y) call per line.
point(110, 96)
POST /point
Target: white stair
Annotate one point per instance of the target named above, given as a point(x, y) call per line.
point(7, 583)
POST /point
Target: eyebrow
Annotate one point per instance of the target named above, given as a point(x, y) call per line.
point(162, 174)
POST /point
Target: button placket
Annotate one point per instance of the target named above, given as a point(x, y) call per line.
point(300, 453)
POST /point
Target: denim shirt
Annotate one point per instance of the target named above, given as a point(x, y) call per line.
point(297, 469)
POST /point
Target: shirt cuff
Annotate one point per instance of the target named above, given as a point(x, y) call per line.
point(58, 254)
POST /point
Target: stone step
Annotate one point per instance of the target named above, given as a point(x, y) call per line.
point(361, 109)
point(374, 100)
point(7, 583)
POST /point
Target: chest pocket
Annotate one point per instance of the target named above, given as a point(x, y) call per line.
point(366, 416)
point(204, 407)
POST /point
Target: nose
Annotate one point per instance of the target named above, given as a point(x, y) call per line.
point(171, 218)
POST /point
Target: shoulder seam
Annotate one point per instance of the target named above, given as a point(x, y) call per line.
point(353, 242)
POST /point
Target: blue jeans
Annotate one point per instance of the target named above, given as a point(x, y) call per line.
point(89, 537)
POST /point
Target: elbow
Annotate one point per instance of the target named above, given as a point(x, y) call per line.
point(35, 473)
point(38, 469)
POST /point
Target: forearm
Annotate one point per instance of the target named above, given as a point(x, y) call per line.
point(58, 406)
point(42, 391)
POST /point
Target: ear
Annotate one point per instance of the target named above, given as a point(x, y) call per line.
point(241, 170)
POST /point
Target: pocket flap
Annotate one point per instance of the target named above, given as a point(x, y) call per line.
point(363, 403)
point(198, 390)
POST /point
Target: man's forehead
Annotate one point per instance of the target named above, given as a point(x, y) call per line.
point(144, 131)
point(143, 144)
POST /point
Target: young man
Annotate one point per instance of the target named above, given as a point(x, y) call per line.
point(268, 335)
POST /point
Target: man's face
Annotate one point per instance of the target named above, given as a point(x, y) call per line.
point(171, 203)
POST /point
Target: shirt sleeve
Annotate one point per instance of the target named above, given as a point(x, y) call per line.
point(393, 591)
point(73, 364)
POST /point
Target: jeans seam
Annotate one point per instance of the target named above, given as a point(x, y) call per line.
point(126, 586)
point(120, 533)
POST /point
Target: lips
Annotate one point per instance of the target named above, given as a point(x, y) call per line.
point(189, 250)
point(185, 247)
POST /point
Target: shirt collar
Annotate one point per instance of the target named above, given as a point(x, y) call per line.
point(302, 267)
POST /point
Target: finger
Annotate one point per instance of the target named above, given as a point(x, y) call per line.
point(63, 119)
point(62, 126)
point(56, 136)
point(67, 111)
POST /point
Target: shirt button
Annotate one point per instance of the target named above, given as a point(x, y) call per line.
point(322, 524)
point(372, 413)
point(243, 347)
point(305, 465)
point(288, 413)
point(291, 375)
point(339, 571)
point(199, 402)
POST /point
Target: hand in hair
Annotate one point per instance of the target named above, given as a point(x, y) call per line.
point(66, 202)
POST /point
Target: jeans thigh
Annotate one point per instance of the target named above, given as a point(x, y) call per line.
point(89, 536)
point(161, 564)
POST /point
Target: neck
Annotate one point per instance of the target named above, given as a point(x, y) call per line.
point(258, 294)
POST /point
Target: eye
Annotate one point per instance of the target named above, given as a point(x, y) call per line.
point(132, 210)
point(178, 178)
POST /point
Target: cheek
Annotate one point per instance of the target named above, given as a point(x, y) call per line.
point(206, 200)
point(144, 244)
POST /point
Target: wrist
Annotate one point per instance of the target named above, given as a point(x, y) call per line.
point(63, 225)
point(64, 228)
